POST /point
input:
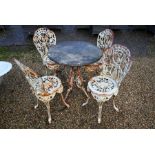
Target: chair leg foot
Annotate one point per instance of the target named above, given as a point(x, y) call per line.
point(85, 103)
point(36, 106)
point(99, 120)
point(116, 108)
point(49, 120)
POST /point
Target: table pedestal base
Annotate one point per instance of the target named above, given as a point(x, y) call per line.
point(75, 76)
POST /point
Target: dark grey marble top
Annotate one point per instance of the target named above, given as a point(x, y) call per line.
point(74, 53)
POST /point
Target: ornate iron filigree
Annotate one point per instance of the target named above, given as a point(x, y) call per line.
point(105, 39)
point(116, 63)
point(76, 77)
point(44, 88)
point(104, 42)
point(114, 68)
point(43, 39)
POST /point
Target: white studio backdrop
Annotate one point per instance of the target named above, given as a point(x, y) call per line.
point(77, 12)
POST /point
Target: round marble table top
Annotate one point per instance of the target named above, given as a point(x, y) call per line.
point(74, 53)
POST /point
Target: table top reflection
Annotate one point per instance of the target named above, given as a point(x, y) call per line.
point(74, 53)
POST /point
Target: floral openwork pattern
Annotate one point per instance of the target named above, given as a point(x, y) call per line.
point(44, 88)
point(43, 39)
point(104, 42)
point(116, 65)
point(101, 85)
point(105, 39)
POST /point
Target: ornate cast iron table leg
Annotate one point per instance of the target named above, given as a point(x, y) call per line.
point(63, 100)
point(79, 83)
point(70, 82)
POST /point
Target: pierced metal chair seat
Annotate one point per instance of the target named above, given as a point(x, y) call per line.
point(43, 39)
point(113, 70)
point(44, 88)
point(102, 89)
point(102, 85)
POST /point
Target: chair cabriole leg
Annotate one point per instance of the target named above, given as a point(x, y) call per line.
point(85, 103)
point(100, 112)
point(48, 112)
point(35, 107)
point(114, 105)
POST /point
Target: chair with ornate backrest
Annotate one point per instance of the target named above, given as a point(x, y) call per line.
point(44, 88)
point(43, 39)
point(113, 71)
point(104, 42)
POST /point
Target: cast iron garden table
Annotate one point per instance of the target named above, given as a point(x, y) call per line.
point(75, 54)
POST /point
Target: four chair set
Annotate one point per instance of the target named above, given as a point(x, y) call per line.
point(114, 65)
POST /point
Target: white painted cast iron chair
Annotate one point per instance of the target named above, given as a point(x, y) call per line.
point(104, 42)
point(44, 88)
point(43, 39)
point(113, 71)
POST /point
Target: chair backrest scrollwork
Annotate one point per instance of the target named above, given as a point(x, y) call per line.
point(31, 76)
point(105, 39)
point(117, 63)
point(44, 38)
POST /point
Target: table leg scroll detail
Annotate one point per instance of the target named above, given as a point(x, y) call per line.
point(79, 83)
point(71, 82)
point(63, 100)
